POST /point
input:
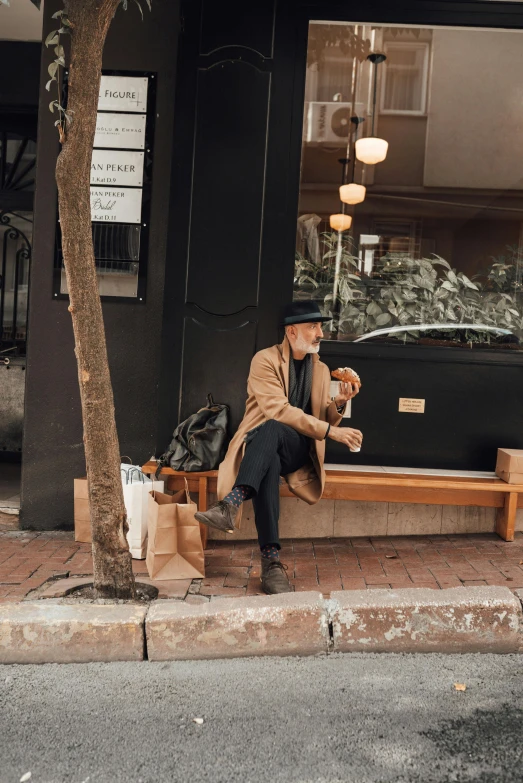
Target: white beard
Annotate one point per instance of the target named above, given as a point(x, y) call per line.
point(303, 345)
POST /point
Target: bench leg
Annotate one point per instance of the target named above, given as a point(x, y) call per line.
point(506, 518)
point(202, 506)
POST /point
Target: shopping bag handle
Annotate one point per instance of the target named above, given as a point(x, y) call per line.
point(140, 474)
point(130, 460)
point(187, 493)
point(129, 473)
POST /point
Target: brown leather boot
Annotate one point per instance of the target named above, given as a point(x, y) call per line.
point(273, 577)
point(221, 516)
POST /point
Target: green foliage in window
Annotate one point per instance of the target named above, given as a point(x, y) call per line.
point(403, 291)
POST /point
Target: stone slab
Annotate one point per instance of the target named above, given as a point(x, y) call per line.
point(288, 624)
point(60, 587)
point(461, 619)
point(46, 632)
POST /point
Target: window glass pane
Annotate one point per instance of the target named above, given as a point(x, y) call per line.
point(434, 251)
point(404, 77)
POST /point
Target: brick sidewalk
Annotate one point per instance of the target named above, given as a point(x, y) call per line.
point(29, 559)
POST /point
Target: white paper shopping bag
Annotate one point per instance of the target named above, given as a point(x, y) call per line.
point(136, 488)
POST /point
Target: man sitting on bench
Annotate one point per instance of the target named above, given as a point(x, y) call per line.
point(288, 415)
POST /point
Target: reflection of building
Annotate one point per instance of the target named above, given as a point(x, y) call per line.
point(225, 196)
point(449, 107)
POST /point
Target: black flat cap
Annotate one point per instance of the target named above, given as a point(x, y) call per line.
point(304, 312)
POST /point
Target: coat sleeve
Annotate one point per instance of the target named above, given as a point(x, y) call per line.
point(333, 417)
point(267, 387)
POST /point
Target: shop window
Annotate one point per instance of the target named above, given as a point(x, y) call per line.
point(434, 250)
point(404, 86)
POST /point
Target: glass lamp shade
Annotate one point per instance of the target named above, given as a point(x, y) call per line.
point(371, 150)
point(352, 193)
point(340, 222)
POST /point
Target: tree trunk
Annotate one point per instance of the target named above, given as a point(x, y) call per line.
point(113, 576)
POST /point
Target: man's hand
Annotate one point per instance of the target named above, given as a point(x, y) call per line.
point(349, 437)
point(346, 392)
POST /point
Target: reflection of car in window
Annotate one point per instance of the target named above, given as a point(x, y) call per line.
point(465, 335)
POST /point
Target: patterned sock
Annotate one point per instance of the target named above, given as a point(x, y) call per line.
point(270, 552)
point(238, 495)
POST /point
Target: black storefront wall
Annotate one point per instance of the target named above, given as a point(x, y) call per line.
point(235, 199)
point(53, 448)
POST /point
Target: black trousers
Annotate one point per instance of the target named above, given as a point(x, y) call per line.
point(274, 451)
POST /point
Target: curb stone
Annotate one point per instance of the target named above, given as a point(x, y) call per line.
point(457, 620)
point(45, 632)
point(475, 619)
point(287, 624)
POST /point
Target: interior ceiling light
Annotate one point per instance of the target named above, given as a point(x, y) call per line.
point(371, 149)
point(340, 222)
point(352, 193)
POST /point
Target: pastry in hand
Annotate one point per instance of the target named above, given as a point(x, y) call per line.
point(346, 375)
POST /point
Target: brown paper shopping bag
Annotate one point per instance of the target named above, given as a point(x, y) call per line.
point(82, 516)
point(175, 547)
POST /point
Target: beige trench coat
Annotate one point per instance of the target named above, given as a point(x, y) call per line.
point(267, 390)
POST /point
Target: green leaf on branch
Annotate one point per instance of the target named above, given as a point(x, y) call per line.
point(373, 309)
point(49, 83)
point(52, 69)
point(52, 39)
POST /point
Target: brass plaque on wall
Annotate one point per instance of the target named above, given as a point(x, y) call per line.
point(410, 405)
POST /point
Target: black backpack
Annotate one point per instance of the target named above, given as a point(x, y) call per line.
point(199, 442)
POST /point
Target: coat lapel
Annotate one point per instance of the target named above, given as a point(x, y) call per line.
point(317, 386)
point(285, 351)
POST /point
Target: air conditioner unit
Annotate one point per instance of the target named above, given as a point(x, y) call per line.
point(329, 122)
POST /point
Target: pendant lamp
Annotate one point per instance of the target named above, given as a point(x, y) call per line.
point(371, 149)
point(352, 193)
point(340, 222)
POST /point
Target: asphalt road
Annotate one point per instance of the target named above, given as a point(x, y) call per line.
point(361, 718)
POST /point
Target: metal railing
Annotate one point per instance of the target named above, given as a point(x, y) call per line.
point(15, 257)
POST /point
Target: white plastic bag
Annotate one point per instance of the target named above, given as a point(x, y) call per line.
point(136, 488)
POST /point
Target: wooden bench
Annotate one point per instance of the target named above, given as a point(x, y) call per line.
point(386, 487)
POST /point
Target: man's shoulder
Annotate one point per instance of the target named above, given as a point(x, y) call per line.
point(270, 355)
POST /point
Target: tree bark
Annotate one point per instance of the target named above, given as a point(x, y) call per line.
point(113, 576)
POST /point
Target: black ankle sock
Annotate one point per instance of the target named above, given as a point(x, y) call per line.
point(270, 552)
point(238, 495)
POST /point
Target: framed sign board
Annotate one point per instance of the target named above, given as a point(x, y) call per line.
point(121, 181)
point(120, 131)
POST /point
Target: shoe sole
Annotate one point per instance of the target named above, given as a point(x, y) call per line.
point(204, 521)
point(280, 592)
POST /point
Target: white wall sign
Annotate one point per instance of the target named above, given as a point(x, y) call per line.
point(125, 131)
point(123, 93)
point(117, 167)
point(116, 205)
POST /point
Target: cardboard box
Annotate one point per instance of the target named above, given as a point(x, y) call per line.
point(509, 465)
point(82, 519)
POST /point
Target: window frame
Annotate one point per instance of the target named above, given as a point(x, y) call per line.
point(420, 45)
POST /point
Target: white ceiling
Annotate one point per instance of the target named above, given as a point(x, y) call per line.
point(20, 21)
